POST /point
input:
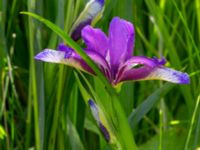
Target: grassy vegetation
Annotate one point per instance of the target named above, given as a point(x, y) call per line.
point(44, 106)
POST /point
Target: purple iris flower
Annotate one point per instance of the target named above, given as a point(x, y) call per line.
point(113, 55)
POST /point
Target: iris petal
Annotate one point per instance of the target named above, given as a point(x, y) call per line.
point(167, 74)
point(121, 41)
point(49, 55)
point(66, 55)
point(143, 68)
point(95, 39)
point(72, 59)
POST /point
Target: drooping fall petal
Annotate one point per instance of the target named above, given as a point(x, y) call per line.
point(168, 74)
point(66, 55)
point(143, 68)
point(62, 57)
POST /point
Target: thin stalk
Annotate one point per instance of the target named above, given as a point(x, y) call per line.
point(160, 126)
point(12, 15)
point(69, 15)
point(54, 134)
point(7, 131)
point(197, 132)
point(55, 121)
point(10, 74)
point(4, 92)
point(32, 79)
point(77, 8)
point(192, 123)
point(187, 29)
point(28, 120)
point(3, 110)
point(197, 4)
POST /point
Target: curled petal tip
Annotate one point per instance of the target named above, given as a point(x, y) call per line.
point(49, 55)
point(91, 103)
point(101, 1)
point(105, 132)
point(98, 115)
point(41, 55)
point(161, 61)
point(62, 47)
point(37, 57)
point(183, 78)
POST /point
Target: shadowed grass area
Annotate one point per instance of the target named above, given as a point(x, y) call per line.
point(44, 106)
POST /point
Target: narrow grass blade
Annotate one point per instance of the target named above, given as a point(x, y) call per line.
point(157, 14)
point(32, 78)
point(192, 123)
point(197, 132)
point(148, 104)
point(74, 138)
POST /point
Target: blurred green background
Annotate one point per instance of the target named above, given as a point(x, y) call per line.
point(42, 106)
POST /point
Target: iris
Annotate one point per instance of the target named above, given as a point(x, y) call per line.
point(113, 55)
point(99, 117)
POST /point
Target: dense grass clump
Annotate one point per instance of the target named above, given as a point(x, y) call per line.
point(44, 106)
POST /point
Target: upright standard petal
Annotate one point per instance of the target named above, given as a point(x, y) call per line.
point(95, 40)
point(143, 68)
point(92, 11)
point(121, 41)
